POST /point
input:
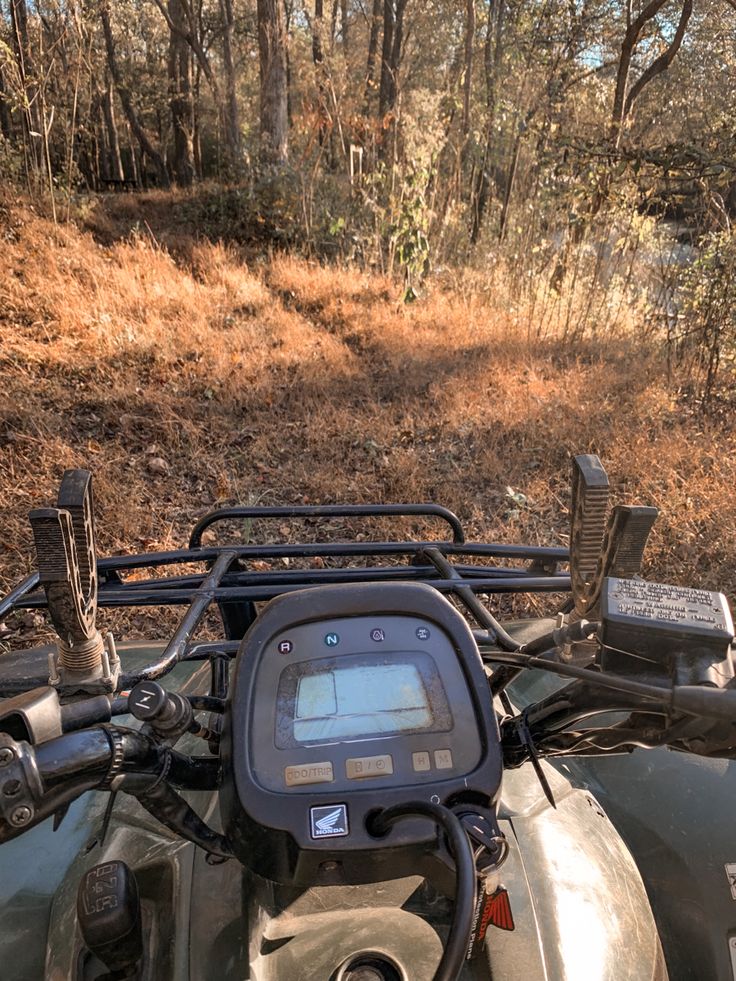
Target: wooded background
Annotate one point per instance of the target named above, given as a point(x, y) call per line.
point(256, 251)
point(579, 154)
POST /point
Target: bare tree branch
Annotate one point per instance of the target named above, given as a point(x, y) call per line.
point(663, 62)
point(631, 39)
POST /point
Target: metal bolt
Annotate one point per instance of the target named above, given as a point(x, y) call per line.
point(20, 816)
point(6, 756)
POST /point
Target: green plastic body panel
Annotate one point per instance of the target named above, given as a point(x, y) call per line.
point(579, 904)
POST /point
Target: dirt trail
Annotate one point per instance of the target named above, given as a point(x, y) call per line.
point(197, 376)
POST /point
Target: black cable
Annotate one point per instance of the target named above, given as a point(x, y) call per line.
point(664, 696)
point(119, 705)
point(504, 674)
point(163, 803)
point(458, 939)
point(207, 703)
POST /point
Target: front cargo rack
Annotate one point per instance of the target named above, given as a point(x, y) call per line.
point(229, 583)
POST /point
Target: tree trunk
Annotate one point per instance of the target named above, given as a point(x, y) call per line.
point(393, 38)
point(333, 25)
point(631, 37)
point(344, 24)
point(133, 156)
point(663, 62)
point(99, 150)
point(468, 79)
point(146, 145)
point(396, 49)
point(196, 127)
point(29, 114)
point(492, 54)
point(6, 122)
point(231, 116)
point(385, 97)
point(510, 184)
point(113, 142)
point(226, 108)
point(370, 69)
point(288, 12)
point(180, 99)
point(318, 57)
point(272, 56)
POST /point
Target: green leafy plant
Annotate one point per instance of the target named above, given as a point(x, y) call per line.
point(409, 231)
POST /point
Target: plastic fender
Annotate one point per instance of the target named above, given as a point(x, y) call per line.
point(579, 905)
point(674, 812)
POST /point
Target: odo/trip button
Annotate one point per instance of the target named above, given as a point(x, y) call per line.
point(362, 767)
point(308, 773)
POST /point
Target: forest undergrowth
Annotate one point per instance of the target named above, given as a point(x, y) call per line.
point(188, 374)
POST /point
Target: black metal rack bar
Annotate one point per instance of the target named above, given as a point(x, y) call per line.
point(227, 582)
point(330, 511)
point(174, 651)
point(152, 560)
point(316, 576)
point(200, 651)
point(333, 549)
point(12, 600)
point(465, 593)
point(127, 595)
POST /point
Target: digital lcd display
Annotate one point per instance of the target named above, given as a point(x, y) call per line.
point(349, 701)
point(360, 696)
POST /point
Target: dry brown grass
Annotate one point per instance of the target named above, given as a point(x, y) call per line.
point(285, 381)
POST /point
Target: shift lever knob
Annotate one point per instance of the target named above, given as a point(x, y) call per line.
point(109, 915)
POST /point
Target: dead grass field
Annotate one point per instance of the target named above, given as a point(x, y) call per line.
point(186, 374)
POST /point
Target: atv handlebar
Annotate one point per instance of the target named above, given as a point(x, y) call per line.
point(37, 781)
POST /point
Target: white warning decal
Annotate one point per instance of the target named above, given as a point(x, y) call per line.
point(731, 874)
